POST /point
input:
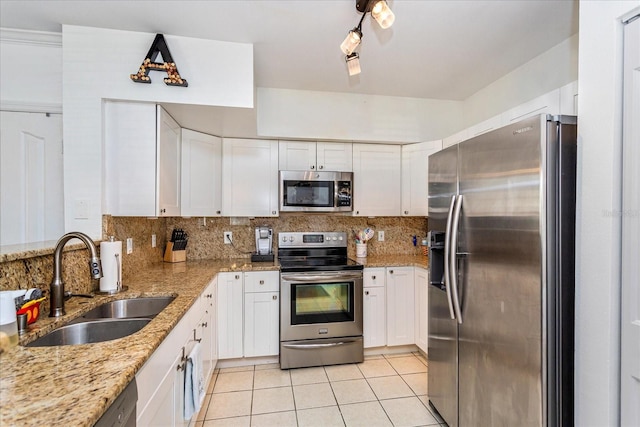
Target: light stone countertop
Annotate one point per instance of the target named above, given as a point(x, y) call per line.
point(75, 384)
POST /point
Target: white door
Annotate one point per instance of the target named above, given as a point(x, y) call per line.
point(261, 324)
point(230, 315)
point(630, 331)
point(400, 306)
point(168, 173)
point(31, 186)
point(201, 184)
point(415, 173)
point(374, 317)
point(334, 156)
point(376, 176)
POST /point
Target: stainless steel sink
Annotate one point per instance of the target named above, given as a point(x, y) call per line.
point(128, 308)
point(90, 332)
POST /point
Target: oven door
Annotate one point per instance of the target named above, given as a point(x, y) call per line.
point(323, 304)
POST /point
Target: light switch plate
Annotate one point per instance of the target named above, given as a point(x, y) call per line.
point(380, 236)
point(129, 245)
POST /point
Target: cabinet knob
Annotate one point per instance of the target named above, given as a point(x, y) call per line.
point(218, 212)
point(262, 282)
point(273, 212)
point(320, 167)
point(163, 210)
point(390, 271)
point(406, 212)
point(205, 324)
point(312, 167)
point(237, 276)
point(275, 297)
point(373, 277)
point(366, 292)
point(357, 212)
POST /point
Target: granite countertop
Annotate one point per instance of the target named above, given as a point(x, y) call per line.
point(75, 384)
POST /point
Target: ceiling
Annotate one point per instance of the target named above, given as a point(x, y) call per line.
point(436, 49)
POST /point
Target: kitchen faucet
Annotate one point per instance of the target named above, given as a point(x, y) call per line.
point(57, 285)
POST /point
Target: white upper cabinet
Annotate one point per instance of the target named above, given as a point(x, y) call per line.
point(142, 160)
point(548, 103)
point(377, 179)
point(485, 126)
point(415, 173)
point(201, 191)
point(455, 138)
point(321, 156)
point(249, 177)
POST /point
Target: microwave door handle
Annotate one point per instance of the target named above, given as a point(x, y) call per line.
point(447, 274)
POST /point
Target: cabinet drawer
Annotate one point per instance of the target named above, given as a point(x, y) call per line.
point(373, 277)
point(261, 281)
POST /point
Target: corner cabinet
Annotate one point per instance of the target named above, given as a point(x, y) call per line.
point(415, 176)
point(320, 156)
point(142, 160)
point(249, 177)
point(377, 180)
point(201, 184)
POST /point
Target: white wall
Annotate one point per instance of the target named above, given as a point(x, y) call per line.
point(546, 72)
point(294, 114)
point(97, 64)
point(598, 229)
point(30, 71)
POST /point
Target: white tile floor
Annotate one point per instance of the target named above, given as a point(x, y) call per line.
point(389, 390)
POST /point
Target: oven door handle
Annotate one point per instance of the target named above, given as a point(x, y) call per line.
point(320, 277)
point(323, 345)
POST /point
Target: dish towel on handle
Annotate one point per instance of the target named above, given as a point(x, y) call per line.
point(194, 381)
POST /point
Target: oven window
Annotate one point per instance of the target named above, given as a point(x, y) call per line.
point(308, 193)
point(321, 303)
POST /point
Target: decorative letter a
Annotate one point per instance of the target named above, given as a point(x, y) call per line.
point(159, 46)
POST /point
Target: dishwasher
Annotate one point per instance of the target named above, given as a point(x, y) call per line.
point(122, 411)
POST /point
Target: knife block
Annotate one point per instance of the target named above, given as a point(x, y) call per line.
point(174, 256)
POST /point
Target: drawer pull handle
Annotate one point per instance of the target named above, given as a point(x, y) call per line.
point(373, 277)
point(366, 292)
point(262, 282)
point(275, 297)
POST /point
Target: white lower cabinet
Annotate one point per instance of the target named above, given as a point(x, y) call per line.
point(422, 308)
point(400, 306)
point(160, 381)
point(230, 317)
point(248, 314)
point(373, 307)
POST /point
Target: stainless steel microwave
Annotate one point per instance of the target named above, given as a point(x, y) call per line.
point(311, 191)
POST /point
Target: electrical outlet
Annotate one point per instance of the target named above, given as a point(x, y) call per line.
point(153, 241)
point(129, 245)
point(380, 236)
point(228, 237)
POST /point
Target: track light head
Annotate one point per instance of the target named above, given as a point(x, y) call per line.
point(353, 63)
point(351, 41)
point(382, 14)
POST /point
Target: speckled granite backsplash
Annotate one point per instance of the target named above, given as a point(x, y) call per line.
point(206, 238)
point(205, 242)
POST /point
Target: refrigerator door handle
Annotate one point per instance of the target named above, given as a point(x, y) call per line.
point(453, 258)
point(447, 275)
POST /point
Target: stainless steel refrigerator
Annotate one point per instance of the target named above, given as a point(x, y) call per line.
point(501, 295)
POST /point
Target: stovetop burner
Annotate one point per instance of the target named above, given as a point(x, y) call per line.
point(321, 251)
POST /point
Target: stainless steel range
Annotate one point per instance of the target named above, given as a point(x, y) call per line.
point(321, 301)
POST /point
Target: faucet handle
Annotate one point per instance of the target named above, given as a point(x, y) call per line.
point(95, 267)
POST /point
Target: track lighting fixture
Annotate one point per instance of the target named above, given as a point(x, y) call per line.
point(383, 15)
point(353, 63)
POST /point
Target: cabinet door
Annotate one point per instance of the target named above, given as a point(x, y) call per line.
point(230, 316)
point(262, 324)
point(400, 306)
point(376, 175)
point(334, 156)
point(569, 99)
point(249, 177)
point(422, 308)
point(130, 158)
point(168, 161)
point(455, 138)
point(297, 155)
point(201, 184)
point(166, 406)
point(374, 319)
point(415, 173)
